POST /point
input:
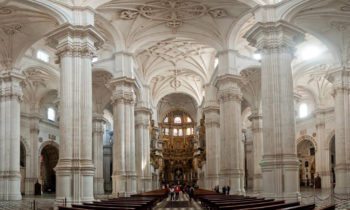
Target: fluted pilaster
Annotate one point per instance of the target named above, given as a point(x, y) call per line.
point(75, 170)
point(231, 145)
point(143, 149)
point(32, 169)
point(97, 153)
point(322, 150)
point(341, 85)
point(10, 98)
point(124, 161)
point(212, 138)
point(256, 120)
point(276, 42)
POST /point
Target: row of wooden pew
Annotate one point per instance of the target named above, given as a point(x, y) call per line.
point(213, 201)
point(143, 201)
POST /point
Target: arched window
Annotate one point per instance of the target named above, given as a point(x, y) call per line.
point(188, 131)
point(166, 120)
point(166, 131)
point(177, 120)
point(42, 55)
point(180, 132)
point(303, 110)
point(51, 114)
point(189, 119)
point(175, 132)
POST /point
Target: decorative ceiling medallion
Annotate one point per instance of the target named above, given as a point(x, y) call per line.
point(173, 12)
point(175, 83)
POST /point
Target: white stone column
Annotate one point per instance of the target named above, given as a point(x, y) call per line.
point(212, 138)
point(97, 153)
point(341, 85)
point(322, 150)
point(75, 170)
point(276, 42)
point(143, 149)
point(256, 120)
point(124, 157)
point(231, 145)
point(10, 98)
point(32, 170)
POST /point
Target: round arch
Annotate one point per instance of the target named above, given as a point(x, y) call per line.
point(188, 93)
point(46, 143)
point(307, 138)
point(48, 159)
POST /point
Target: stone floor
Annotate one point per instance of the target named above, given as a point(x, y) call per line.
point(181, 204)
point(308, 195)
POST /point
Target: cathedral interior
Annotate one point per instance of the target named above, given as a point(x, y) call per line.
point(115, 97)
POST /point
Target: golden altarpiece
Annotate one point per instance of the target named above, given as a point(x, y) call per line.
point(178, 148)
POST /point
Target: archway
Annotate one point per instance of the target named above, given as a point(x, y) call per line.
point(332, 159)
point(22, 166)
point(177, 133)
point(306, 154)
point(48, 161)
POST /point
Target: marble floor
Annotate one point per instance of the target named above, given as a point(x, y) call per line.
point(181, 204)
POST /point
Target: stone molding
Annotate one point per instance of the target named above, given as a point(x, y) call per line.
point(143, 117)
point(256, 120)
point(76, 41)
point(275, 36)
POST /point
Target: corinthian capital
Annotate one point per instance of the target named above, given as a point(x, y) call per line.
point(340, 78)
point(10, 84)
point(274, 35)
point(123, 90)
point(229, 87)
point(75, 40)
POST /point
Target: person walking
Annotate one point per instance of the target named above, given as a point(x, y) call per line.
point(224, 190)
point(177, 192)
point(228, 188)
point(172, 193)
point(191, 193)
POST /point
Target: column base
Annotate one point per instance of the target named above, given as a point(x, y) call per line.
point(119, 185)
point(131, 184)
point(145, 184)
point(74, 183)
point(342, 177)
point(280, 177)
point(325, 179)
point(99, 186)
point(10, 186)
point(257, 183)
point(29, 185)
point(235, 179)
point(211, 181)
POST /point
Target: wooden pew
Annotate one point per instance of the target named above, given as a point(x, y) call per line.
point(101, 207)
point(249, 206)
point(329, 207)
point(302, 207)
point(142, 201)
point(275, 206)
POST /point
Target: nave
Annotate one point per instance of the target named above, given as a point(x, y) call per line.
point(181, 204)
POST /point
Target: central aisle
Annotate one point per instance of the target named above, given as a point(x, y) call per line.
point(181, 204)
